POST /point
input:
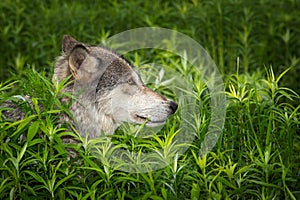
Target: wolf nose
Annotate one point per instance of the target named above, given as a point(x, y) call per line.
point(173, 106)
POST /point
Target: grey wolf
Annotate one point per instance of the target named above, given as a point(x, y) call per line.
point(107, 89)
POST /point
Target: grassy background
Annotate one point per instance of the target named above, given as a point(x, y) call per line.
point(258, 32)
point(257, 156)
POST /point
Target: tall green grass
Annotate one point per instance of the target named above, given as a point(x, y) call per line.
point(258, 33)
point(255, 45)
point(256, 157)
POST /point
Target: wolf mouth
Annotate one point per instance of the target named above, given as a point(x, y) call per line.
point(142, 119)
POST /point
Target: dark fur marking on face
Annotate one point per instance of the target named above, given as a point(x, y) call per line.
point(114, 74)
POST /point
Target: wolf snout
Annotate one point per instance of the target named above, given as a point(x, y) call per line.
point(173, 107)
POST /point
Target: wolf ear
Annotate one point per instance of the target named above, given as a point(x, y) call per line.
point(68, 44)
point(76, 52)
point(76, 58)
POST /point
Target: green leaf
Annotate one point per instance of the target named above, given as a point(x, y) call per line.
point(282, 74)
point(164, 193)
point(36, 177)
point(36, 141)
point(265, 184)
point(226, 182)
point(33, 129)
point(14, 161)
point(20, 156)
point(63, 180)
point(7, 85)
point(195, 192)
point(5, 184)
point(22, 124)
point(155, 197)
point(36, 105)
point(12, 193)
point(30, 189)
point(146, 195)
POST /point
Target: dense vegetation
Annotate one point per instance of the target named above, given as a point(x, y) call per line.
point(256, 47)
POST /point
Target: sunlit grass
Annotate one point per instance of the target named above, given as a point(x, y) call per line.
point(255, 46)
point(256, 157)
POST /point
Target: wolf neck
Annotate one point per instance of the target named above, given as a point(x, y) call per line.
point(92, 122)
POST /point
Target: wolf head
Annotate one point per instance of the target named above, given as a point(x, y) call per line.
point(108, 90)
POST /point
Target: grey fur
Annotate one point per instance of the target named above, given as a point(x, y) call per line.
point(12, 110)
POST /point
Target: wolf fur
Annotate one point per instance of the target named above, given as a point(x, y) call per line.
point(107, 89)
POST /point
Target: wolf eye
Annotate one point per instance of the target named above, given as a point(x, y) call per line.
point(130, 82)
